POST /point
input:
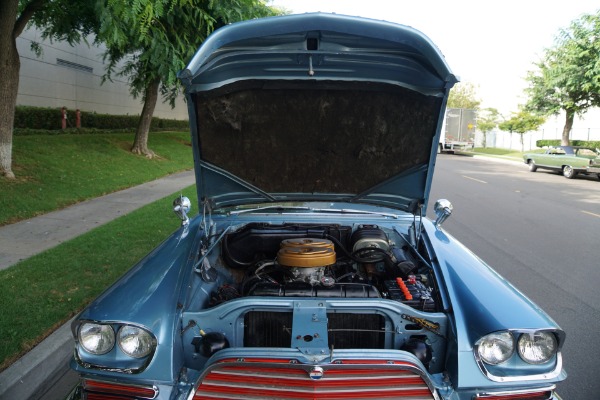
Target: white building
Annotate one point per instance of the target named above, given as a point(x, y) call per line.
point(65, 76)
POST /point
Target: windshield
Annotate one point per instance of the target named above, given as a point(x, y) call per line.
point(586, 152)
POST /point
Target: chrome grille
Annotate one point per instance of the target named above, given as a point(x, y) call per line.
point(287, 379)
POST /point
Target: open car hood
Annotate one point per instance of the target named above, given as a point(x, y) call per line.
point(319, 107)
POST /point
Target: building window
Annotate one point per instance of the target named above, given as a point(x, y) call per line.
point(69, 64)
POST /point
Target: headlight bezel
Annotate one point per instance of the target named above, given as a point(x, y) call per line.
point(516, 369)
point(505, 338)
point(105, 330)
point(116, 359)
point(548, 336)
point(146, 336)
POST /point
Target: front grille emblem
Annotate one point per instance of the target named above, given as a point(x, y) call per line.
point(316, 373)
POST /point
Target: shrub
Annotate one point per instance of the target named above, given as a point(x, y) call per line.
point(31, 120)
point(556, 142)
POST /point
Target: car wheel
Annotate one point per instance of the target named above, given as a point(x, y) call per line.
point(532, 166)
point(569, 172)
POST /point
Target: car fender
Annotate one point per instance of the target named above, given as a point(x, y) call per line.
point(481, 302)
point(154, 287)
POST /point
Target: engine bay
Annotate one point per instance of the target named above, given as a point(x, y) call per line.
point(315, 289)
point(326, 261)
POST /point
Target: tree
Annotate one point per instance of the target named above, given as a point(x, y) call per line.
point(149, 41)
point(486, 121)
point(568, 77)
point(69, 20)
point(521, 123)
point(464, 95)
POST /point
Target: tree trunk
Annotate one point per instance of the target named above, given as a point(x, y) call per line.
point(9, 83)
point(140, 144)
point(567, 128)
point(522, 143)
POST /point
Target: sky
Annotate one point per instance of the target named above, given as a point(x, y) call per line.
point(489, 44)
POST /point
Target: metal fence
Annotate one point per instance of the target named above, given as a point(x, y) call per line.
point(506, 140)
point(586, 127)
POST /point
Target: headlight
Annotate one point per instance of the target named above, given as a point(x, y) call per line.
point(135, 342)
point(496, 348)
point(537, 347)
point(96, 338)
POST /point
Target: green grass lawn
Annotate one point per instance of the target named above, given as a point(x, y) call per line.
point(41, 293)
point(54, 171)
point(492, 151)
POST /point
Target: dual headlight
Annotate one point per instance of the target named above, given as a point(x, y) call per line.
point(99, 339)
point(536, 347)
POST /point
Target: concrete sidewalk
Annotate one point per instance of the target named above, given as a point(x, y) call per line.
point(30, 237)
point(33, 376)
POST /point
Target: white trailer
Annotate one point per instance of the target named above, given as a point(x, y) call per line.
point(458, 130)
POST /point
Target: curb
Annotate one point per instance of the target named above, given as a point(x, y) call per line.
point(499, 159)
point(34, 374)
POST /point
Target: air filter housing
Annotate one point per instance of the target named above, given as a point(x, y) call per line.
point(306, 253)
point(307, 258)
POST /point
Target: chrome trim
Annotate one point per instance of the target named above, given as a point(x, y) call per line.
point(519, 378)
point(181, 207)
point(78, 338)
point(120, 344)
point(519, 352)
point(443, 209)
point(153, 387)
point(515, 392)
point(128, 371)
point(406, 366)
point(79, 322)
point(286, 210)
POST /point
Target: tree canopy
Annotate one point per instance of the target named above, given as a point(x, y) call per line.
point(567, 77)
point(464, 95)
point(522, 122)
point(149, 41)
point(487, 119)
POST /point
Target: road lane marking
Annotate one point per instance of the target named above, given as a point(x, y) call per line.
point(590, 213)
point(474, 179)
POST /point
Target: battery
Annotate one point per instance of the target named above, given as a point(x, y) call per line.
point(411, 292)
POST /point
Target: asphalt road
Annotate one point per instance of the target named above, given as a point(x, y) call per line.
point(541, 231)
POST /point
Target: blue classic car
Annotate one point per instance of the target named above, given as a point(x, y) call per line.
point(309, 270)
